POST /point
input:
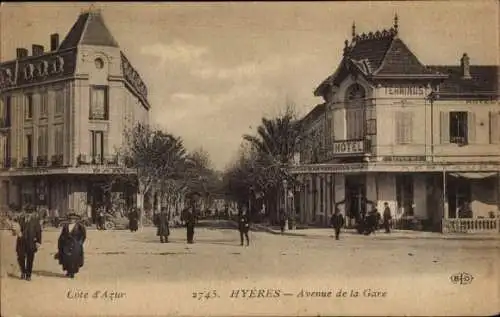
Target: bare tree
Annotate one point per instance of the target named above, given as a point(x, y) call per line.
point(154, 155)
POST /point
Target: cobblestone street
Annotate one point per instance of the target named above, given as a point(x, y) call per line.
point(155, 278)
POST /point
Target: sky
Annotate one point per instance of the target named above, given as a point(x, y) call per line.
point(213, 70)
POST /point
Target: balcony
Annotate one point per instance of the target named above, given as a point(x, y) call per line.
point(57, 160)
point(6, 163)
point(42, 160)
point(27, 162)
point(84, 159)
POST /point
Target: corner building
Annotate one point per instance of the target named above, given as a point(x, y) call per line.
point(425, 139)
point(62, 115)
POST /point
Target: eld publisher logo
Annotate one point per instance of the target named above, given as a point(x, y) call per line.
point(461, 278)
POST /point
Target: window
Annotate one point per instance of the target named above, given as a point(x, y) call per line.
point(28, 107)
point(5, 112)
point(44, 105)
point(58, 139)
point(97, 146)
point(404, 127)
point(43, 141)
point(59, 97)
point(98, 103)
point(458, 127)
point(355, 112)
point(28, 154)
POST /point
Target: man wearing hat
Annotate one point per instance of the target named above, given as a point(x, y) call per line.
point(29, 238)
point(162, 223)
point(189, 217)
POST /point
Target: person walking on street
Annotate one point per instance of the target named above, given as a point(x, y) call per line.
point(101, 218)
point(29, 239)
point(133, 220)
point(337, 222)
point(282, 220)
point(163, 230)
point(244, 225)
point(70, 245)
point(387, 217)
point(189, 217)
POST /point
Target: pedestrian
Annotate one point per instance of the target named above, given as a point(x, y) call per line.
point(337, 222)
point(70, 245)
point(163, 230)
point(189, 217)
point(282, 220)
point(29, 239)
point(55, 217)
point(387, 217)
point(100, 218)
point(244, 225)
point(133, 220)
point(371, 221)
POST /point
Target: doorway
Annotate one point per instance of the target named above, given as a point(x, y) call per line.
point(355, 193)
point(458, 192)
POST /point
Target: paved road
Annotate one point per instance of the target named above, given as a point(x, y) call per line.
point(161, 278)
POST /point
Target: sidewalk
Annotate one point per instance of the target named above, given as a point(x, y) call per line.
point(395, 234)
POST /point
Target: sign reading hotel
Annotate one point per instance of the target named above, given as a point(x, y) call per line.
point(406, 91)
point(348, 147)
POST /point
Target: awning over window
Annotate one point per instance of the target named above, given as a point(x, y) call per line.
point(474, 175)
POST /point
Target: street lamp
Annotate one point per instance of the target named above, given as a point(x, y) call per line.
point(285, 201)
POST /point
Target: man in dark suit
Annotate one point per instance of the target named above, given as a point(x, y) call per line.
point(28, 241)
point(162, 223)
point(244, 225)
point(387, 217)
point(189, 217)
point(337, 222)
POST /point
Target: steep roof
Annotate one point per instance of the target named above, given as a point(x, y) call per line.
point(483, 79)
point(89, 29)
point(314, 114)
point(380, 54)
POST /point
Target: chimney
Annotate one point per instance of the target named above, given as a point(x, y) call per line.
point(21, 52)
point(464, 64)
point(54, 42)
point(37, 50)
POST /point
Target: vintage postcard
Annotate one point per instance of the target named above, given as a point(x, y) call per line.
point(250, 158)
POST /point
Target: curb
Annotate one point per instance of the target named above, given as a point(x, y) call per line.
point(405, 236)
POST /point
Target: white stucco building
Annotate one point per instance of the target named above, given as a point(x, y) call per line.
point(425, 139)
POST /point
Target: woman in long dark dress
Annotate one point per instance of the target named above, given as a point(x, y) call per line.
point(70, 245)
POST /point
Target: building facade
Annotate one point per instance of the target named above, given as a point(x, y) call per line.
point(425, 139)
point(62, 117)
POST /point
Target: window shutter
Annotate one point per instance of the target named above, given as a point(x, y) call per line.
point(408, 127)
point(397, 125)
point(445, 127)
point(471, 127)
point(494, 127)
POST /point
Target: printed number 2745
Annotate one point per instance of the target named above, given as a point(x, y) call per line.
point(205, 295)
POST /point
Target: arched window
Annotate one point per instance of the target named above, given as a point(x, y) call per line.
point(355, 112)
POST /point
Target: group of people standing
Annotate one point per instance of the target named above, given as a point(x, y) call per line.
point(28, 231)
point(367, 225)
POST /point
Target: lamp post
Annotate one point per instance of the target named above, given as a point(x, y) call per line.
point(285, 202)
point(250, 200)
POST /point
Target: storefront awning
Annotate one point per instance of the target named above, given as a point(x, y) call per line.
point(474, 175)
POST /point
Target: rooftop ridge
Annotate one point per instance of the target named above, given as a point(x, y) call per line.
point(357, 38)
